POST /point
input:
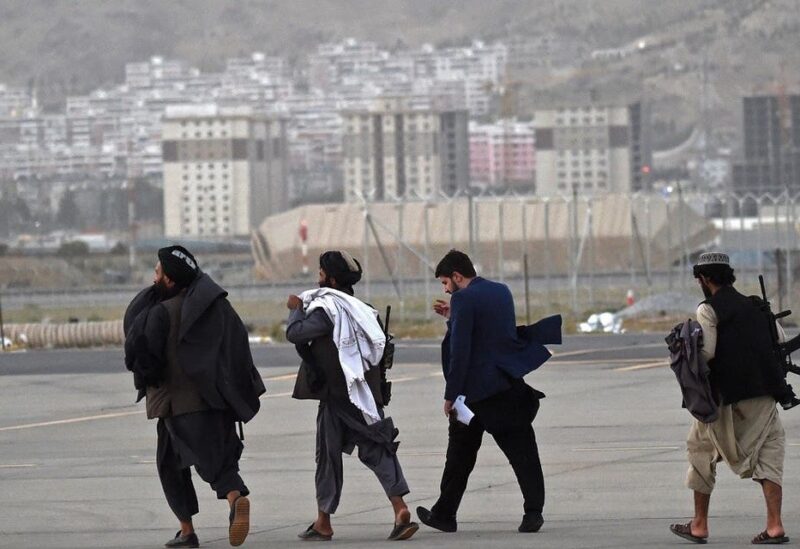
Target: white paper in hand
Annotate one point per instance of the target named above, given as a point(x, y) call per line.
point(463, 414)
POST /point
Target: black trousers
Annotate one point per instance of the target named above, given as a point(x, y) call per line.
point(507, 417)
point(206, 440)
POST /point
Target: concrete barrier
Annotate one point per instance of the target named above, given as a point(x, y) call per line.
point(77, 334)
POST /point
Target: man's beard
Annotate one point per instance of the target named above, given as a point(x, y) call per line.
point(706, 290)
point(165, 293)
point(326, 283)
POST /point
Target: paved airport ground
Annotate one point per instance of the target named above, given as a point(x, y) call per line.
point(77, 458)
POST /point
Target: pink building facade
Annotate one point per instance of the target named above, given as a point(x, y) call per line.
point(503, 154)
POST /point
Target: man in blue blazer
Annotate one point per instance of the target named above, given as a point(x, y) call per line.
point(484, 359)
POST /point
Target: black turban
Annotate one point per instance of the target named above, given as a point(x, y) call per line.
point(178, 264)
point(341, 266)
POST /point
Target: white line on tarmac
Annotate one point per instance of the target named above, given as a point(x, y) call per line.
point(67, 421)
point(608, 349)
point(284, 377)
point(645, 366)
point(124, 414)
point(626, 449)
point(18, 466)
point(276, 395)
point(597, 361)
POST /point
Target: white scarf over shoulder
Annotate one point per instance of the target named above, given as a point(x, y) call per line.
point(359, 338)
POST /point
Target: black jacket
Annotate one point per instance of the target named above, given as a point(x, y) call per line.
point(744, 364)
point(483, 349)
point(694, 376)
point(213, 348)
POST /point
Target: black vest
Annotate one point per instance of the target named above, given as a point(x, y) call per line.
point(744, 364)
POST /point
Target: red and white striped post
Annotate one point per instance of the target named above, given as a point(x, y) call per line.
point(304, 244)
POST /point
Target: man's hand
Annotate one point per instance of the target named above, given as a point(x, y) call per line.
point(441, 307)
point(294, 302)
point(448, 408)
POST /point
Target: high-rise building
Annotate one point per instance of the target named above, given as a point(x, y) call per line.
point(503, 155)
point(592, 148)
point(224, 170)
point(771, 127)
point(391, 152)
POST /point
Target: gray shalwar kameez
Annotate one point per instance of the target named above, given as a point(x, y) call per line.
point(341, 427)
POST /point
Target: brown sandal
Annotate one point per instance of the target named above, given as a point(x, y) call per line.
point(239, 521)
point(685, 531)
point(765, 539)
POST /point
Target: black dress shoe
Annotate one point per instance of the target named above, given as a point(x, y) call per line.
point(429, 519)
point(531, 522)
point(189, 540)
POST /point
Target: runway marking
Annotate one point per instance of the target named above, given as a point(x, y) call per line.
point(398, 380)
point(276, 395)
point(284, 377)
point(18, 466)
point(626, 448)
point(609, 349)
point(598, 361)
point(68, 421)
point(645, 366)
point(138, 412)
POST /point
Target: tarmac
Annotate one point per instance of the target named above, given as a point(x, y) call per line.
point(77, 460)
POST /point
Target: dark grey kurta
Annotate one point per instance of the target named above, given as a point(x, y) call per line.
point(340, 425)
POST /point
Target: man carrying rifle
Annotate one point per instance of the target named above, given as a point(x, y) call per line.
point(342, 345)
point(748, 378)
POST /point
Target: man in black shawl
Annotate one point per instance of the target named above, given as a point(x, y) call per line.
point(350, 412)
point(190, 356)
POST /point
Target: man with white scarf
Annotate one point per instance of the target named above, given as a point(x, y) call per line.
point(341, 342)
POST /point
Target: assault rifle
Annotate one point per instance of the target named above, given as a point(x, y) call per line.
point(387, 360)
point(782, 350)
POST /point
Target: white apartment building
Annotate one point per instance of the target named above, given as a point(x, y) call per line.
point(224, 170)
point(392, 152)
point(591, 148)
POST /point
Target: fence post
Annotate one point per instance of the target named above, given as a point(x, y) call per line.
point(366, 269)
point(400, 268)
point(547, 259)
point(500, 241)
point(425, 270)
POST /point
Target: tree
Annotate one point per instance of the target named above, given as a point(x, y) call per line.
point(68, 210)
point(76, 248)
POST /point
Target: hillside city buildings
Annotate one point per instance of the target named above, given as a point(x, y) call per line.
point(351, 121)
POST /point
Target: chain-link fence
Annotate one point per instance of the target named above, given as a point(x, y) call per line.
point(586, 247)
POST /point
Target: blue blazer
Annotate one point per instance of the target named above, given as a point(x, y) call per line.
point(484, 349)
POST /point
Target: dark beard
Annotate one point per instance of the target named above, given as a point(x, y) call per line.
point(326, 283)
point(165, 293)
point(706, 290)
